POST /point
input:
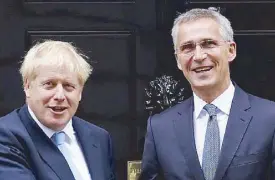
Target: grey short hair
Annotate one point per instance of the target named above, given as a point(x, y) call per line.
point(58, 54)
point(195, 14)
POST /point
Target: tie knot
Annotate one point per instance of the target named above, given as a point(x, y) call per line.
point(59, 138)
point(211, 109)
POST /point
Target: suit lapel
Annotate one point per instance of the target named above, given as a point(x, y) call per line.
point(90, 147)
point(184, 129)
point(45, 147)
point(238, 121)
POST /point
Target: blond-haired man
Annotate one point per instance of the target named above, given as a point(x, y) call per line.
point(43, 140)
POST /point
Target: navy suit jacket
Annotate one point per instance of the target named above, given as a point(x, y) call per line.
point(26, 153)
point(248, 148)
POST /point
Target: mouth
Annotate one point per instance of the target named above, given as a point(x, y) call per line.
point(58, 109)
point(202, 69)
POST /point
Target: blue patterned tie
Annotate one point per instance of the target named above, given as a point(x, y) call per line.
point(59, 140)
point(211, 150)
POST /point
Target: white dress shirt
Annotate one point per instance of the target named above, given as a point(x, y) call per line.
point(71, 143)
point(223, 104)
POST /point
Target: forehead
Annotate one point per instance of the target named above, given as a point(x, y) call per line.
point(204, 28)
point(56, 73)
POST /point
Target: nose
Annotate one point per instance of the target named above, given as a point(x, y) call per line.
point(199, 54)
point(59, 94)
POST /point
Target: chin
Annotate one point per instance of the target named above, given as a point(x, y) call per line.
point(203, 85)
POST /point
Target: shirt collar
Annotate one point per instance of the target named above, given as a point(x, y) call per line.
point(68, 129)
point(222, 102)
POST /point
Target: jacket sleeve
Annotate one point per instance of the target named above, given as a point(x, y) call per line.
point(111, 158)
point(150, 165)
point(272, 176)
point(13, 162)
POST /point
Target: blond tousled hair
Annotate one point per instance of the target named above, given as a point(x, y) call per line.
point(57, 54)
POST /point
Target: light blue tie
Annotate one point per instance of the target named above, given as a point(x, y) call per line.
point(211, 150)
point(59, 140)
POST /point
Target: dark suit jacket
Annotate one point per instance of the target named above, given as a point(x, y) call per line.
point(26, 153)
point(248, 148)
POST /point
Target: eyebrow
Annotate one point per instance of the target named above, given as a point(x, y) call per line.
point(191, 41)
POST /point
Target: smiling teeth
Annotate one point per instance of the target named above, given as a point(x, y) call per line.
point(58, 108)
point(202, 69)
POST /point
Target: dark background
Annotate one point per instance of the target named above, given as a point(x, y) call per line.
point(129, 44)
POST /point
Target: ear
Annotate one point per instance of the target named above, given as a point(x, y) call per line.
point(178, 62)
point(27, 88)
point(80, 94)
point(232, 51)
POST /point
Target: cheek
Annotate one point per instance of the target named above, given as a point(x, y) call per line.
point(185, 64)
point(73, 99)
point(46, 97)
point(43, 101)
point(222, 69)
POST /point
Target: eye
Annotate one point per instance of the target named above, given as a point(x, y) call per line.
point(209, 43)
point(49, 84)
point(69, 87)
point(187, 47)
